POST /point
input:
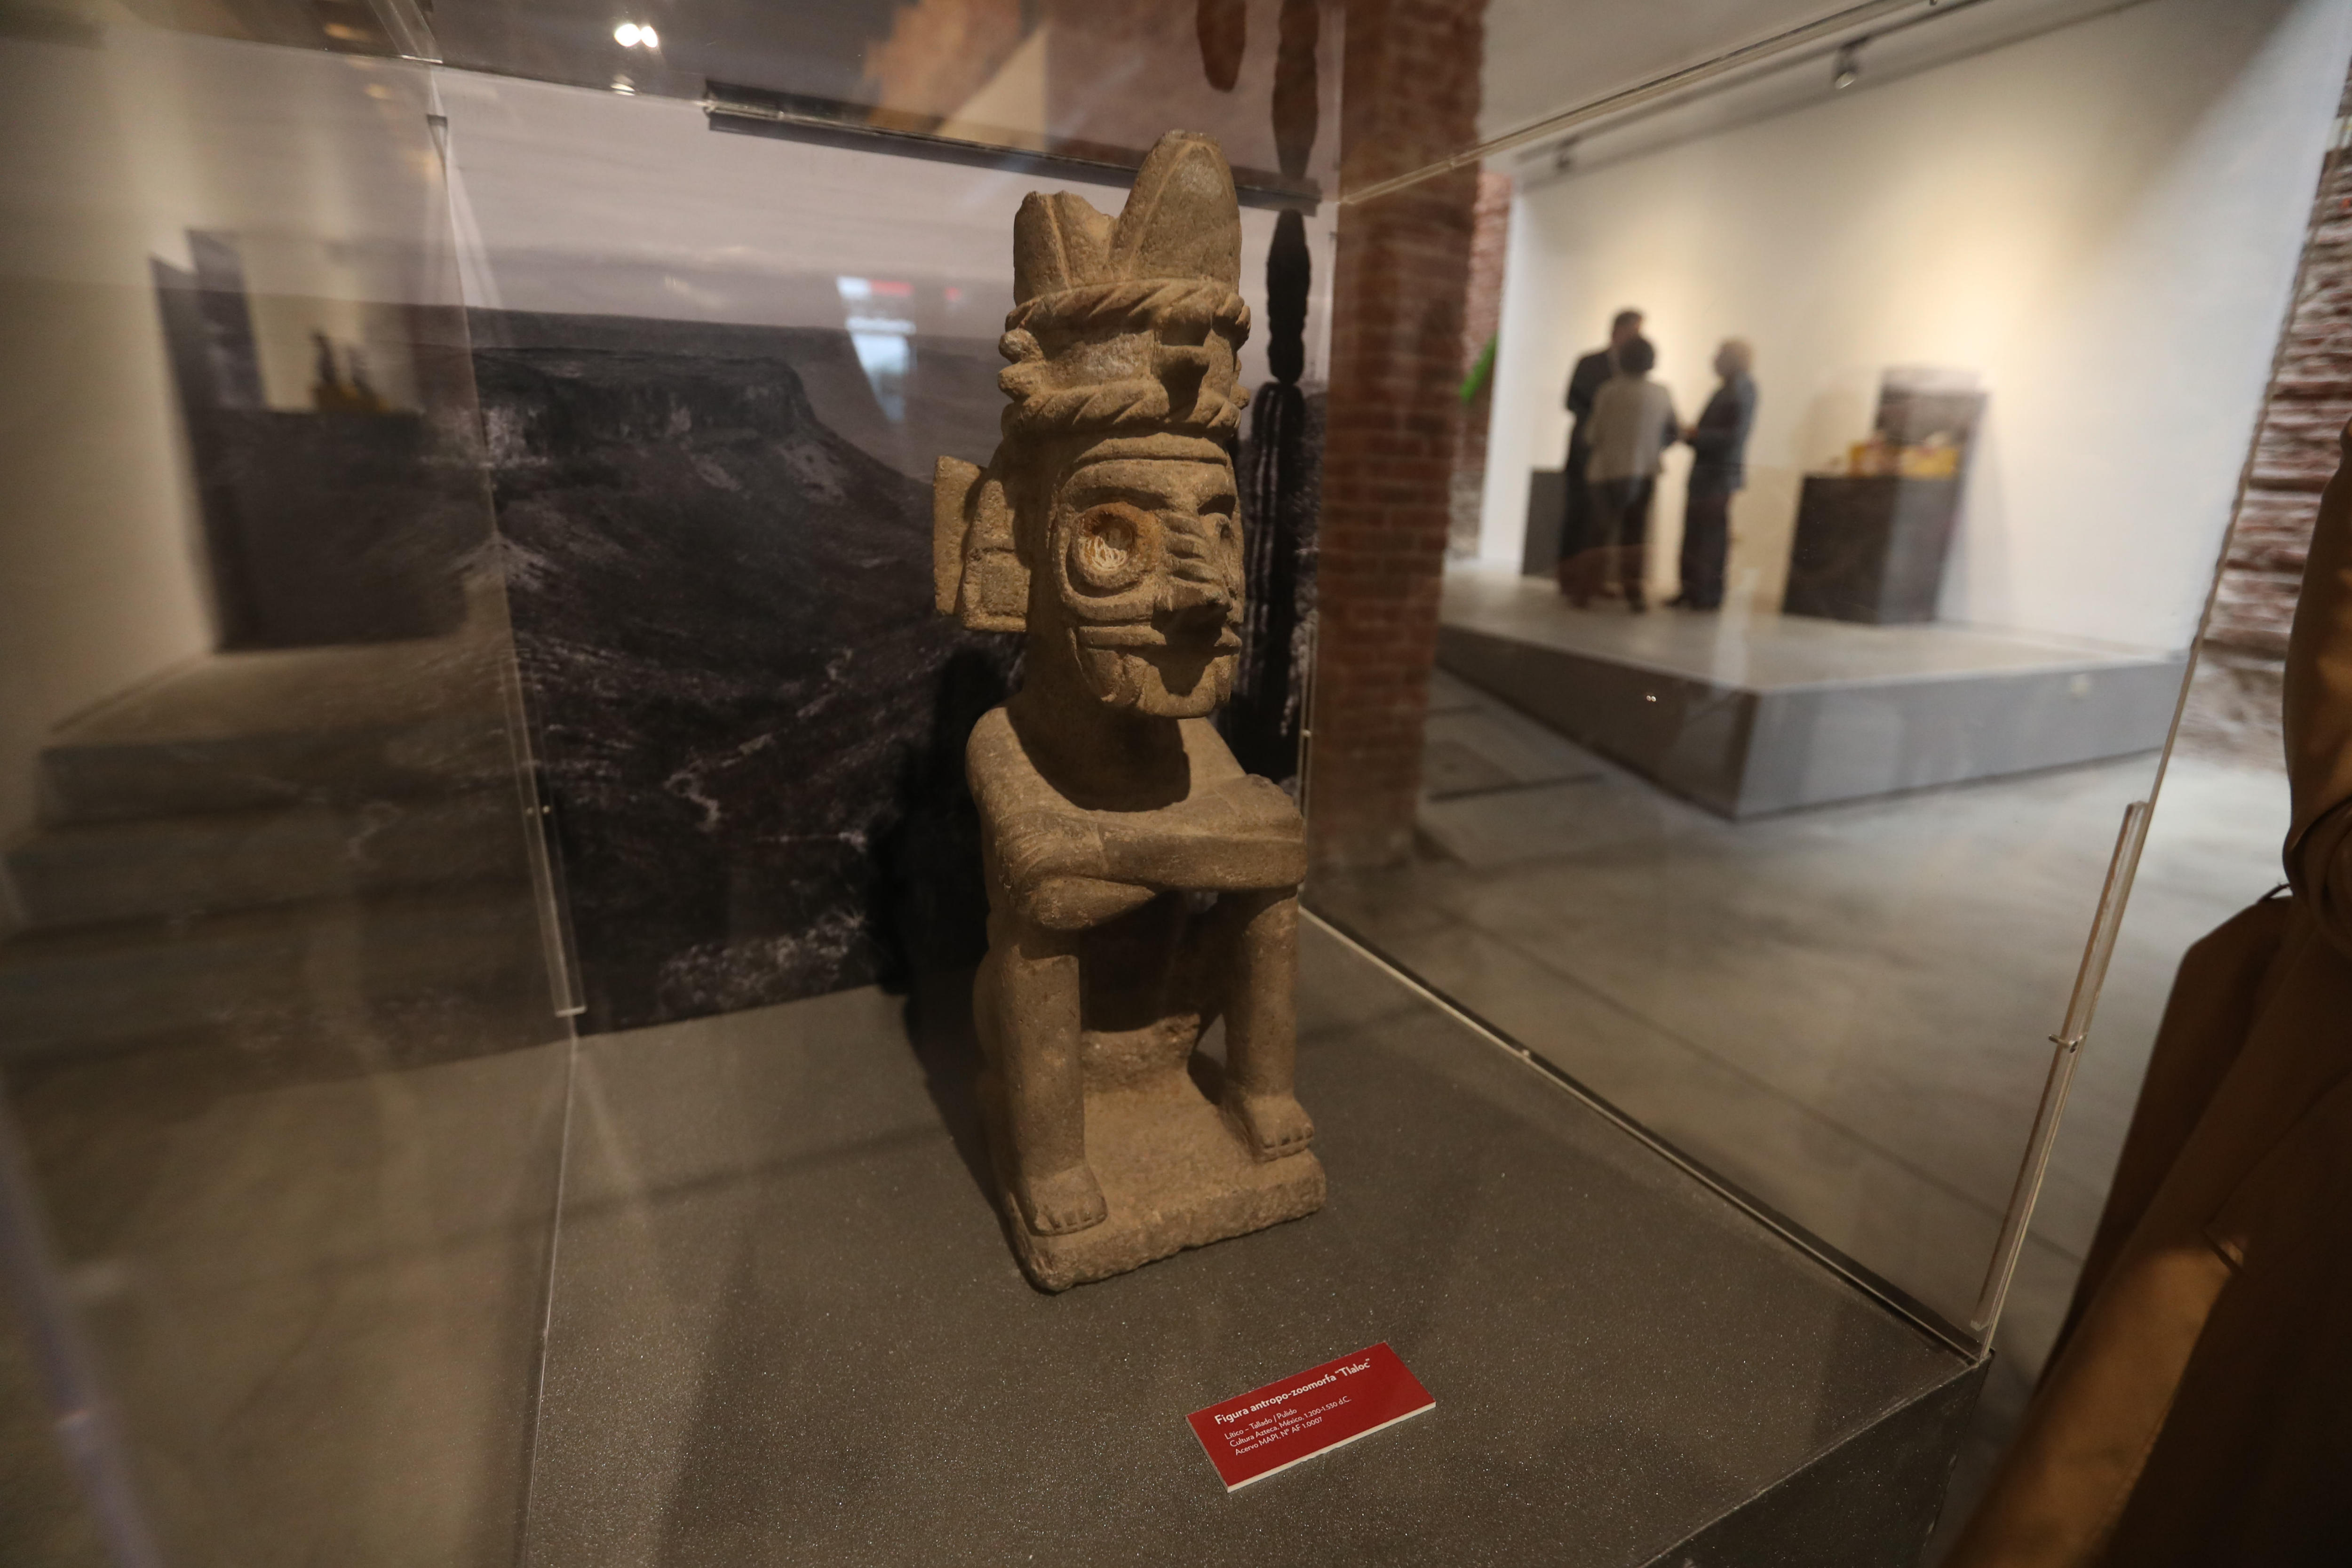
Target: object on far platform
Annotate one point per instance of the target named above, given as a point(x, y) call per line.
point(1870, 544)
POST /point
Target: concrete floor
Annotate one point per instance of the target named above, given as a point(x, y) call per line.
point(1844, 1010)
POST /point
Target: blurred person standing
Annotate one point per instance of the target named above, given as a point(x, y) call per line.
point(1631, 424)
point(1718, 470)
point(1591, 373)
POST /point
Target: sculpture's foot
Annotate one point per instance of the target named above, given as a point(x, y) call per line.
point(1271, 1125)
point(1063, 1202)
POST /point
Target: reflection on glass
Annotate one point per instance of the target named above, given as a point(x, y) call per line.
point(712, 434)
point(379, 427)
point(1814, 624)
point(276, 997)
point(1061, 87)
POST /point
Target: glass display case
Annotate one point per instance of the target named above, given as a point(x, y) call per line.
point(493, 895)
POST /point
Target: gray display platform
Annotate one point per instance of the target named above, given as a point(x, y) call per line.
point(786, 1327)
point(1746, 714)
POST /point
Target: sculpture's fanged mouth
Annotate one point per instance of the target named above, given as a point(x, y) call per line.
point(1130, 635)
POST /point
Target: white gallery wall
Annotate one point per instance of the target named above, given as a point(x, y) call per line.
point(2102, 223)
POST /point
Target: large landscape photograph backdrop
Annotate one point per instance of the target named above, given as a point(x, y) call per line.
point(748, 722)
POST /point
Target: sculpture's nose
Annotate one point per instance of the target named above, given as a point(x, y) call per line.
point(1193, 596)
point(1193, 605)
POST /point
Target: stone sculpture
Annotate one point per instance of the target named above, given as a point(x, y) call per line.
point(1140, 884)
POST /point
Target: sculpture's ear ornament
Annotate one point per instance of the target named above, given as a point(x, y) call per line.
point(976, 572)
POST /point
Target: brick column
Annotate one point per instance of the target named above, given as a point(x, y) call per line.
point(2233, 704)
point(1409, 96)
point(1482, 317)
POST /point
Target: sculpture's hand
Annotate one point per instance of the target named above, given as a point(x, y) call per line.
point(1080, 904)
point(1245, 807)
point(1071, 871)
point(1241, 834)
point(1057, 873)
point(1040, 843)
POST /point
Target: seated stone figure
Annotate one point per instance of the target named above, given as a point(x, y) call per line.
point(1140, 884)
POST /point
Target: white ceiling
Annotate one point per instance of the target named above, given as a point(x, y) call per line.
point(1637, 44)
point(1545, 56)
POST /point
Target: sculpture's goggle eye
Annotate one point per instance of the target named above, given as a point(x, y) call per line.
point(1112, 546)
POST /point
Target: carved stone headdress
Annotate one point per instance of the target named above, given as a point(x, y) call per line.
point(1119, 330)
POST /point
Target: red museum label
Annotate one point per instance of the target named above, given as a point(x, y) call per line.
point(1252, 1434)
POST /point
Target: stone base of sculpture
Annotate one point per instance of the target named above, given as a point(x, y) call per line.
point(1172, 1172)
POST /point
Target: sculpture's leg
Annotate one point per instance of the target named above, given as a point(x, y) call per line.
point(1261, 1027)
point(1035, 995)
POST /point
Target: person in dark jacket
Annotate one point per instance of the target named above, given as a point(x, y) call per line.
point(1719, 469)
point(1591, 373)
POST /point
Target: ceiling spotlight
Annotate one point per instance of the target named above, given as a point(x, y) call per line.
point(636, 36)
point(1847, 70)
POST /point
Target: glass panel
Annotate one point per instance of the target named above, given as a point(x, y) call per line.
point(719, 372)
point(780, 1329)
point(1068, 84)
point(282, 1050)
point(470, 574)
point(1780, 820)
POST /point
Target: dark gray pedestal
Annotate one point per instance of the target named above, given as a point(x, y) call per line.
point(786, 1327)
point(327, 529)
point(1547, 512)
point(1871, 549)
